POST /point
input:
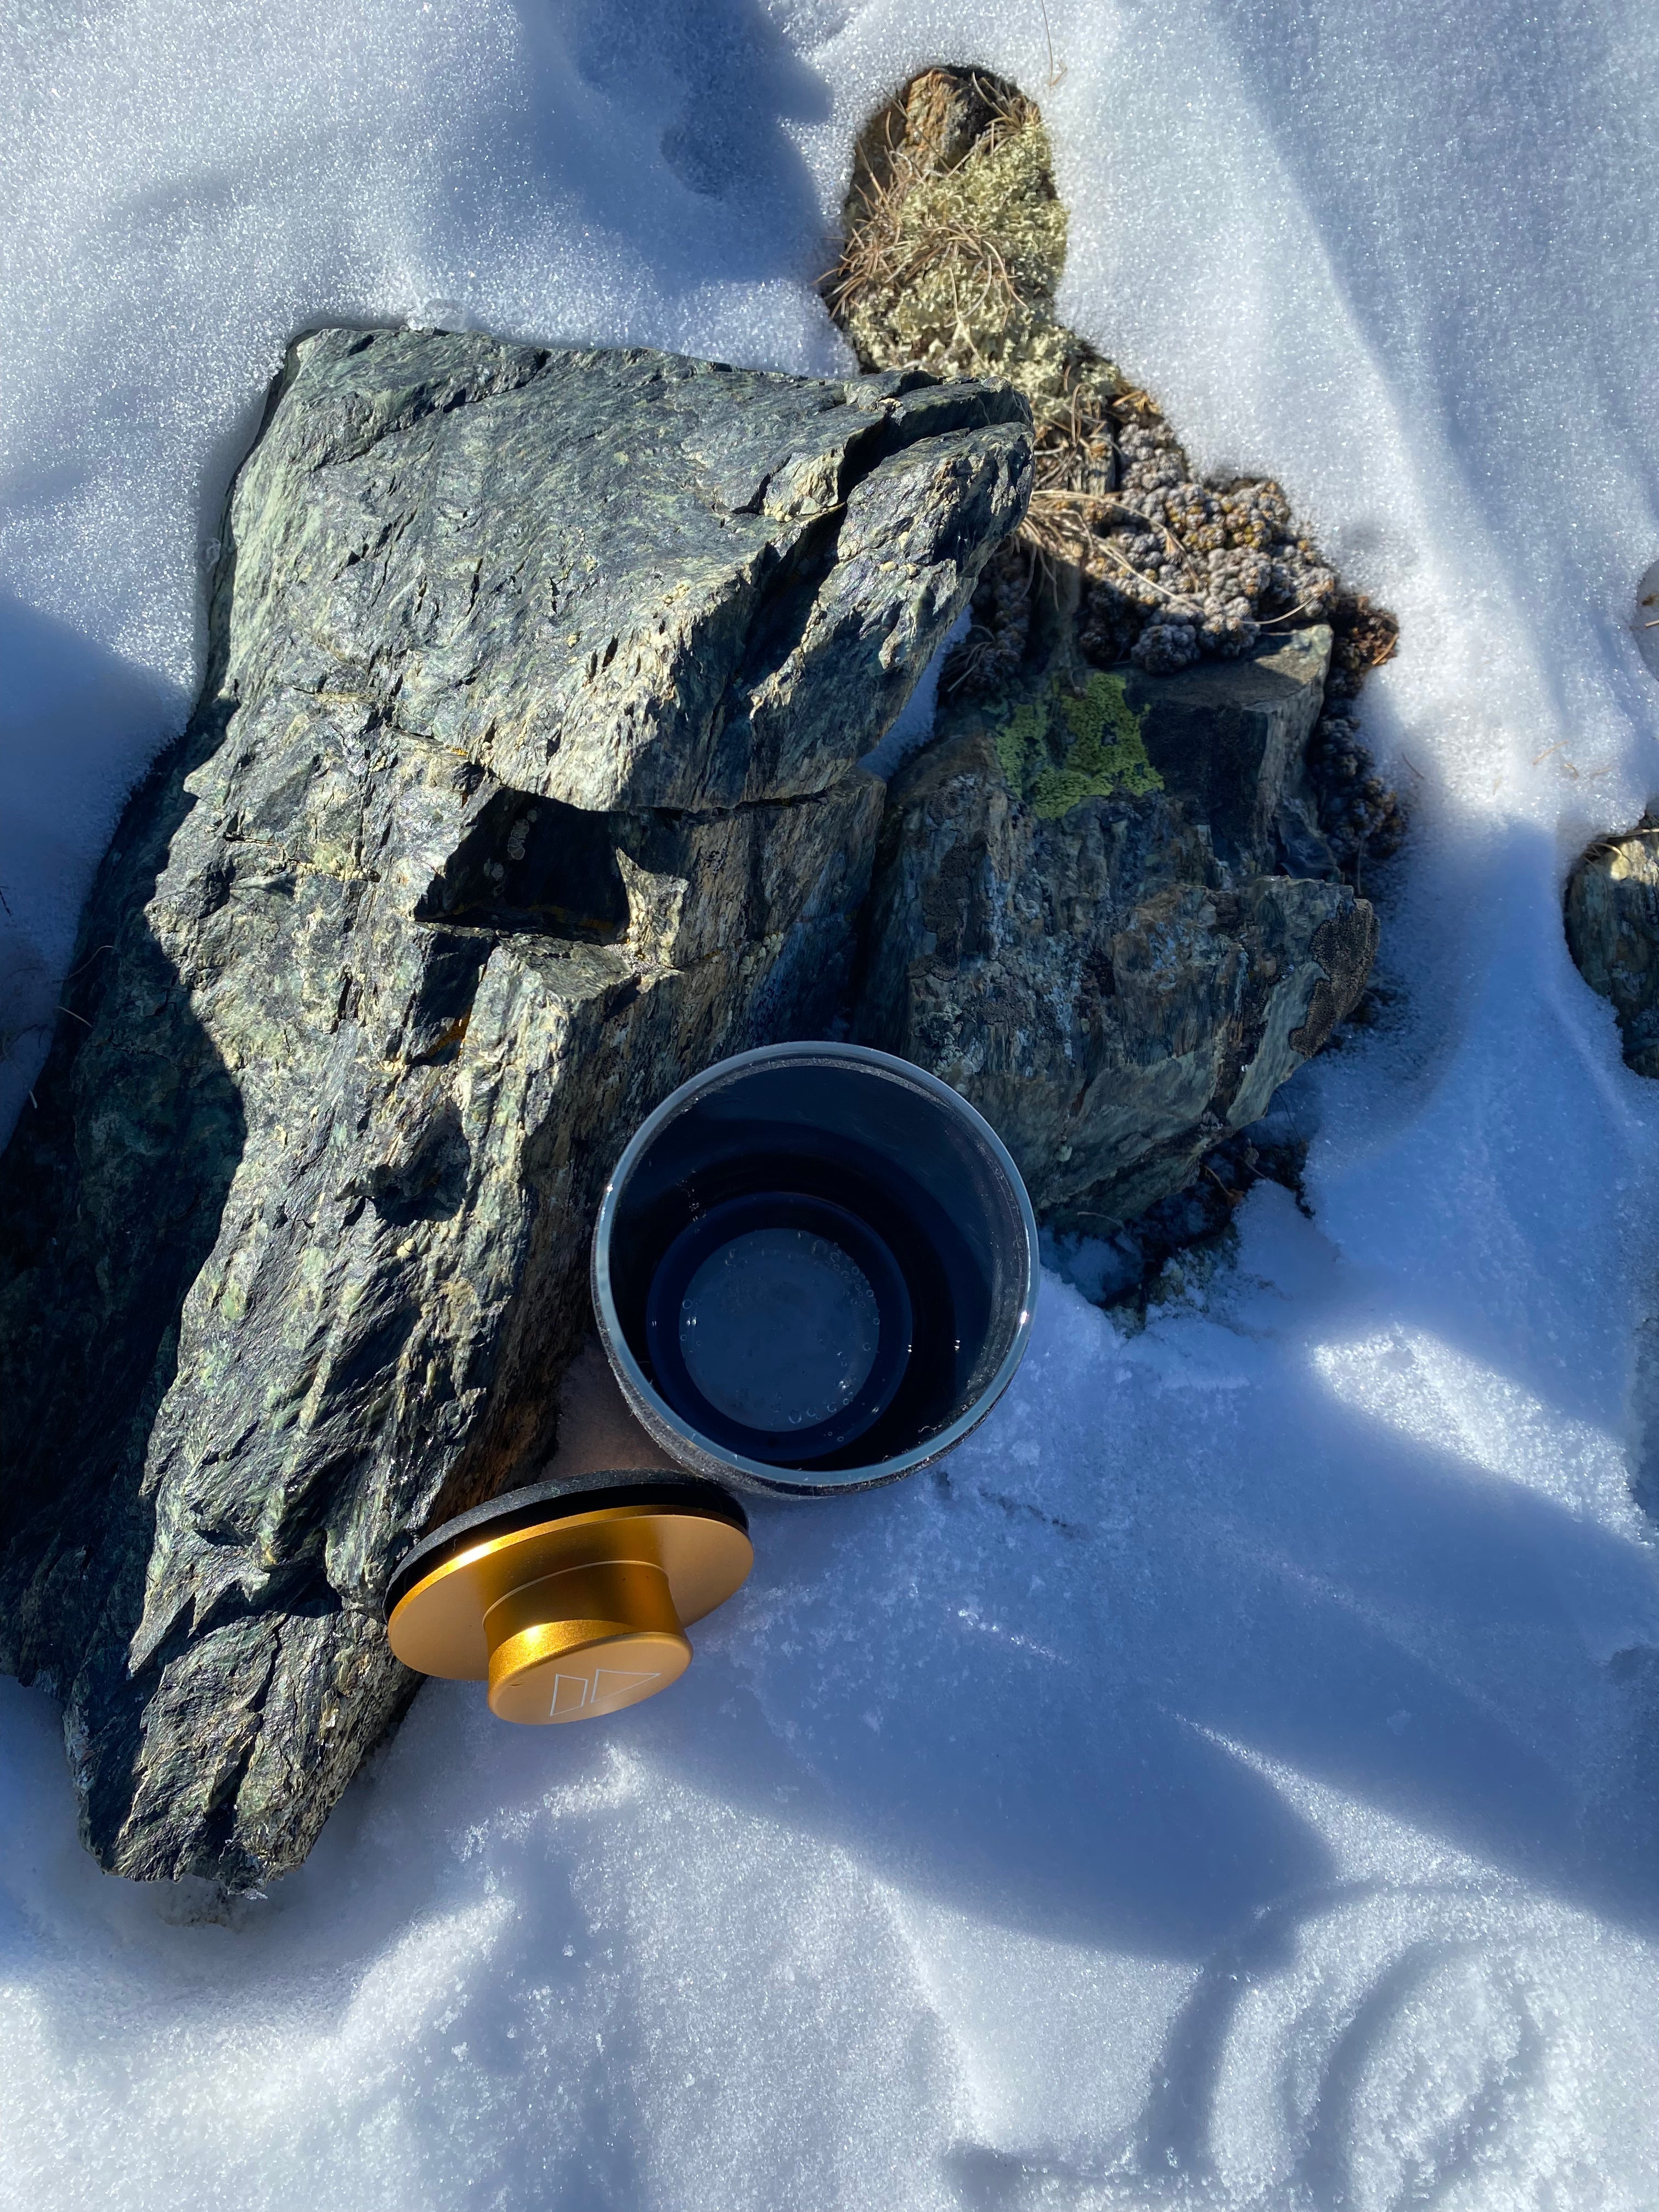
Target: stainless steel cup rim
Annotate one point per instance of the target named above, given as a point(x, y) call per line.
point(676, 1435)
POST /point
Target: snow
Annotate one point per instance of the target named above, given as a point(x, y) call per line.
point(1234, 1774)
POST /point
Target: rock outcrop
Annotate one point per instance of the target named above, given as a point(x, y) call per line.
point(523, 784)
point(1081, 918)
point(1109, 907)
point(1612, 934)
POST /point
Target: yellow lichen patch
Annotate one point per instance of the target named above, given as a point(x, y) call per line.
point(1066, 746)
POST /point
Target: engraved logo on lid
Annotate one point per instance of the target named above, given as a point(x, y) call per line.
point(573, 1693)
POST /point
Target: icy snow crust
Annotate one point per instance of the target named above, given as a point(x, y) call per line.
point(1230, 1776)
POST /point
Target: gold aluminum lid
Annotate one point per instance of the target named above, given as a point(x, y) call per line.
point(572, 1607)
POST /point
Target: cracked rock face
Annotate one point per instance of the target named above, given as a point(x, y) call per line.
point(1118, 986)
point(523, 785)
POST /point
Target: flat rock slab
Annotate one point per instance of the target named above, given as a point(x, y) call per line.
point(522, 786)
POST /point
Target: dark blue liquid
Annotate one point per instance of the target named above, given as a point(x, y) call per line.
point(779, 1324)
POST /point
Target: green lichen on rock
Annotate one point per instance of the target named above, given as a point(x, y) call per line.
point(1064, 746)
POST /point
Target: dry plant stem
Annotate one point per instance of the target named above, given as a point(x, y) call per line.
point(1056, 71)
point(1083, 547)
point(1058, 495)
point(1276, 622)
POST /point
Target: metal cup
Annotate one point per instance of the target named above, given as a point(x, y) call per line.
point(814, 1270)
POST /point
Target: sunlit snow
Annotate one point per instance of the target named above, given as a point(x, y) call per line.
point(1233, 1775)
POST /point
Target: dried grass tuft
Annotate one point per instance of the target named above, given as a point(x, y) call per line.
point(956, 241)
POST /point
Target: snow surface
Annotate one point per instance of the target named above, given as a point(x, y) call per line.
point(1233, 1775)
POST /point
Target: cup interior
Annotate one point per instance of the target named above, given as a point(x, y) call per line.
point(815, 1258)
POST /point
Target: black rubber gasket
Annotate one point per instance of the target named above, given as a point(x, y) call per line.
point(560, 1497)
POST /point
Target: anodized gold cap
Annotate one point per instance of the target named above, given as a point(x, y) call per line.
point(571, 1602)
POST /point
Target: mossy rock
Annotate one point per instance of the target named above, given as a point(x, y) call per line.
point(1065, 746)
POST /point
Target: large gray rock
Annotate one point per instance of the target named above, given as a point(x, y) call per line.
point(522, 786)
point(617, 579)
point(1080, 921)
point(1612, 934)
